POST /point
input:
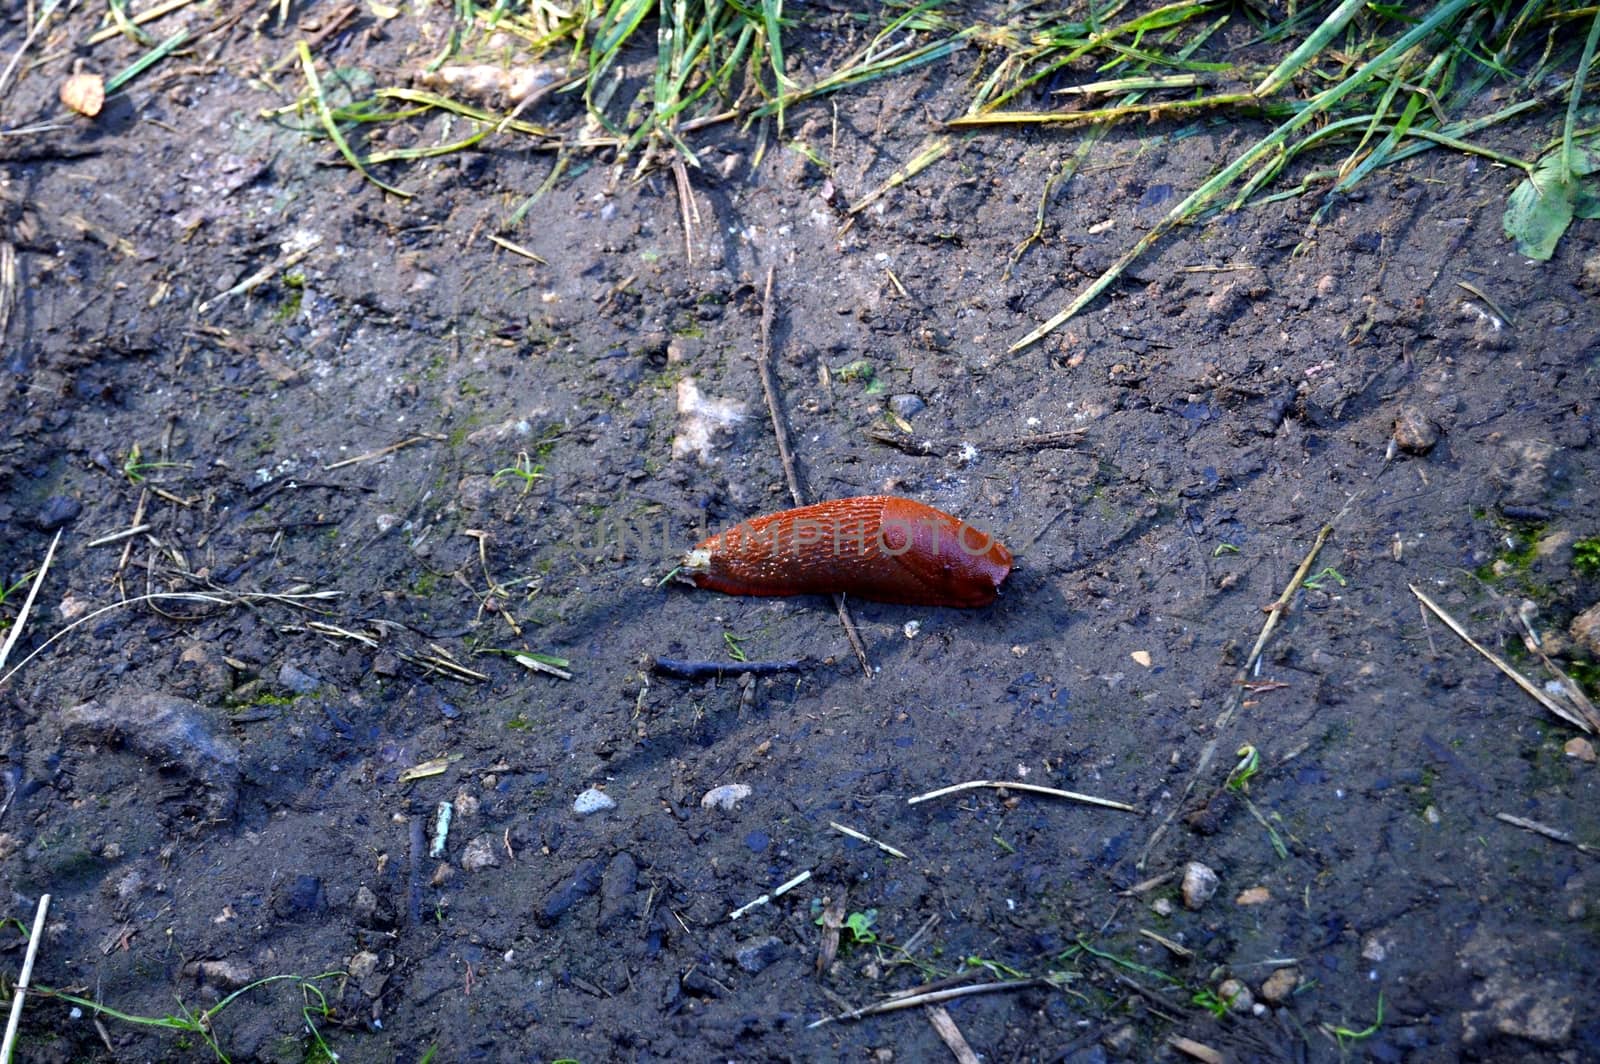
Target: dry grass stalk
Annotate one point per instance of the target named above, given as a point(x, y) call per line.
point(1570, 716)
point(1031, 788)
point(863, 837)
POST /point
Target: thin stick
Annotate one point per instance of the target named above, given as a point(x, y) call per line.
point(1494, 659)
point(1276, 611)
point(149, 14)
point(232, 599)
point(951, 1035)
point(517, 249)
point(22, 980)
point(863, 837)
point(1208, 752)
point(1031, 788)
point(382, 451)
point(257, 278)
point(691, 216)
point(118, 537)
point(27, 42)
point(1548, 832)
point(8, 285)
point(27, 605)
point(769, 388)
point(930, 998)
point(779, 891)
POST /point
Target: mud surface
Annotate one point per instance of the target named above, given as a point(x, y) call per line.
point(215, 789)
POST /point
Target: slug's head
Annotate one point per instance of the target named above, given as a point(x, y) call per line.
point(965, 564)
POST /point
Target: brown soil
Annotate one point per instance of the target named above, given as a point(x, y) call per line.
point(214, 790)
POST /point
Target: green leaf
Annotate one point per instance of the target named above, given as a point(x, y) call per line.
point(1540, 208)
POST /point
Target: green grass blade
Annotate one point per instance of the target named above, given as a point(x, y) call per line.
point(772, 19)
point(146, 61)
point(1577, 92)
point(330, 125)
point(1320, 104)
point(1310, 48)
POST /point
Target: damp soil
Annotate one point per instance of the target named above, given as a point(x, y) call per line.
point(399, 454)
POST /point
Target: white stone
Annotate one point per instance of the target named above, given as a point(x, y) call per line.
point(725, 797)
point(593, 800)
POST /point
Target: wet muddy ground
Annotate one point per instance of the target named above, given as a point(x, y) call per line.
point(404, 453)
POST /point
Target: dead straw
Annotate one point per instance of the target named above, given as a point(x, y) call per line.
point(862, 836)
point(1275, 613)
point(383, 451)
point(1031, 788)
point(1575, 719)
point(1548, 832)
point(932, 997)
point(22, 979)
point(297, 599)
point(22, 616)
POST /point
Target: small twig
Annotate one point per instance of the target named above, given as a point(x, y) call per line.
point(691, 213)
point(1548, 832)
point(931, 998)
point(516, 249)
point(951, 1035)
point(769, 388)
point(1235, 696)
point(1581, 703)
point(149, 14)
point(47, 9)
point(333, 24)
point(778, 891)
point(8, 285)
point(118, 537)
point(259, 277)
point(217, 599)
point(1031, 788)
point(1505, 319)
point(22, 979)
point(1198, 1050)
point(863, 837)
point(1276, 611)
point(533, 664)
point(929, 447)
point(1177, 949)
point(382, 451)
point(1494, 659)
point(22, 616)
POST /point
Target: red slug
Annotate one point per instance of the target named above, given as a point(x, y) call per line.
point(875, 547)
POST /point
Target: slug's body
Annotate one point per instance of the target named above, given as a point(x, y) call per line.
point(875, 547)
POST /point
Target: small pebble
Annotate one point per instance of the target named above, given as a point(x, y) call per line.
point(480, 853)
point(1199, 884)
point(1253, 896)
point(593, 800)
point(907, 405)
point(58, 510)
point(757, 956)
point(1414, 431)
point(726, 797)
point(296, 679)
point(1237, 995)
point(1279, 985)
point(361, 965)
point(1585, 630)
point(1580, 748)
